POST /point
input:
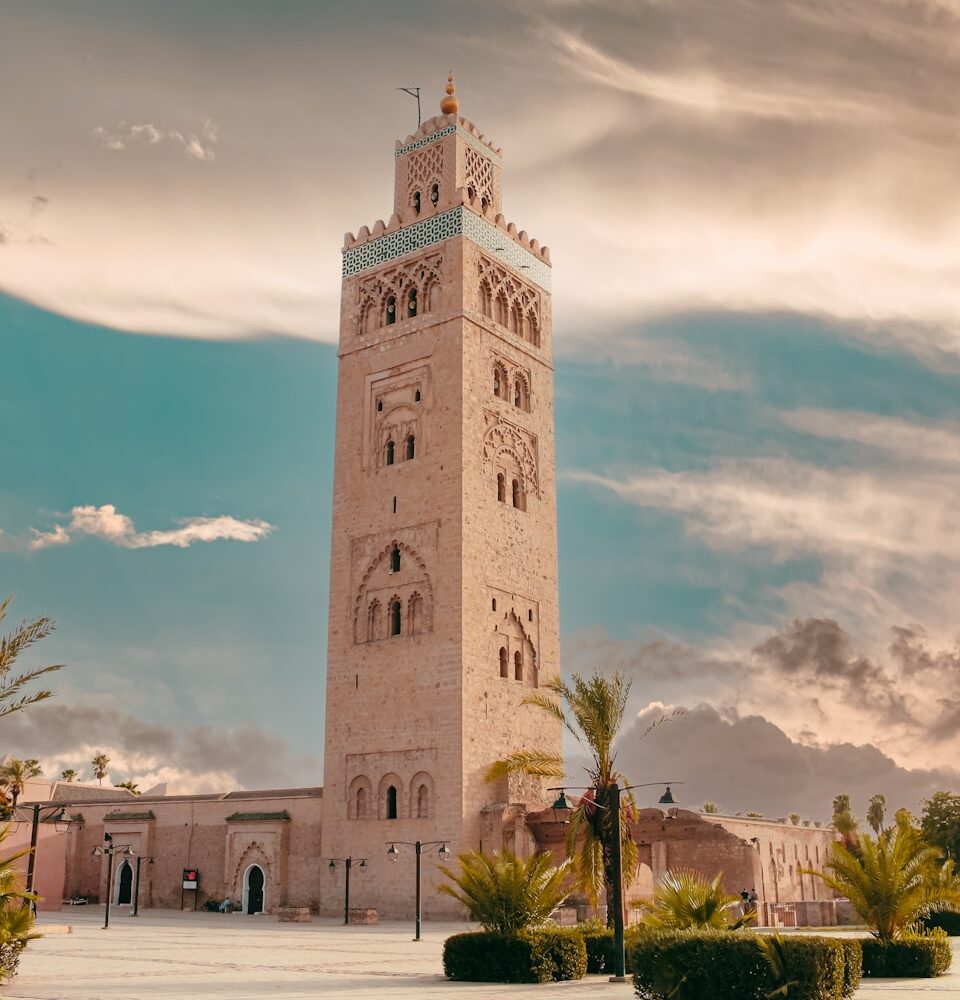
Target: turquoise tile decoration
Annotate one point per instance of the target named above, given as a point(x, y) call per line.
point(467, 137)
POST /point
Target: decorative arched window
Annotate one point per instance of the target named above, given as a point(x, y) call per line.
point(390, 453)
point(423, 802)
point(501, 488)
point(517, 666)
point(392, 802)
point(417, 397)
point(517, 495)
point(503, 662)
point(361, 803)
point(391, 310)
point(500, 309)
point(434, 195)
point(396, 618)
point(379, 406)
point(486, 299)
point(373, 621)
point(496, 380)
point(518, 394)
point(493, 604)
point(395, 559)
point(411, 447)
point(484, 205)
point(412, 302)
point(515, 323)
point(416, 202)
point(532, 332)
point(471, 191)
point(415, 613)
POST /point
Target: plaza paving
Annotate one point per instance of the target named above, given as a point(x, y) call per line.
point(208, 955)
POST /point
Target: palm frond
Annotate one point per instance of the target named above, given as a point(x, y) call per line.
point(536, 763)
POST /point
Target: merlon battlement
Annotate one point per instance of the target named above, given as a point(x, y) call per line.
point(437, 127)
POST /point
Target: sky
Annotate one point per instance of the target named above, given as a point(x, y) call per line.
point(754, 217)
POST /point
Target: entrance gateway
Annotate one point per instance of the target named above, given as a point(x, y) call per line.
point(253, 883)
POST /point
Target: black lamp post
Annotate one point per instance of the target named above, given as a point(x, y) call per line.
point(418, 846)
point(108, 851)
point(611, 793)
point(36, 809)
point(348, 863)
point(136, 885)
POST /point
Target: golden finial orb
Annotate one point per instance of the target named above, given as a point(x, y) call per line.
point(450, 105)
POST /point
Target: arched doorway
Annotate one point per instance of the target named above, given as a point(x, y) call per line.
point(253, 889)
point(125, 884)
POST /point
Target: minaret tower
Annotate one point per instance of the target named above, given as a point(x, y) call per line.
point(443, 577)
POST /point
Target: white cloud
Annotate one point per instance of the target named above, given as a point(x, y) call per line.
point(196, 146)
point(107, 523)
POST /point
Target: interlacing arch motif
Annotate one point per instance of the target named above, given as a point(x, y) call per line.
point(385, 298)
point(506, 446)
point(510, 382)
point(508, 301)
point(424, 169)
point(373, 618)
point(478, 177)
point(253, 854)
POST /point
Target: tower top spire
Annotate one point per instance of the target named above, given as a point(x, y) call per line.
point(450, 105)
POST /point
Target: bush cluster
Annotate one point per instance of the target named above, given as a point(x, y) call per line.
point(691, 965)
point(599, 941)
point(539, 955)
point(916, 956)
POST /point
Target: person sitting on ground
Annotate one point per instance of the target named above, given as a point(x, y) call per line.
point(226, 906)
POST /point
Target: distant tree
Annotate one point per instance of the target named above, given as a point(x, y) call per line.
point(12, 698)
point(844, 822)
point(903, 817)
point(100, 763)
point(33, 765)
point(13, 777)
point(795, 818)
point(875, 813)
point(685, 900)
point(710, 807)
point(69, 774)
point(940, 822)
point(754, 815)
point(129, 785)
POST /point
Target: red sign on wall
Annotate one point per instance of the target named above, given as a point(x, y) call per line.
point(191, 878)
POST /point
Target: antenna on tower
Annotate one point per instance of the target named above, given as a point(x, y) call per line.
point(413, 92)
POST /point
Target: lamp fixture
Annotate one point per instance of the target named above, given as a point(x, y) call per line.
point(667, 798)
point(393, 853)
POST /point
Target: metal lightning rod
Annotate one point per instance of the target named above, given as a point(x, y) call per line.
point(413, 92)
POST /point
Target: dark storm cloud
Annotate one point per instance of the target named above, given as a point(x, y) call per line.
point(59, 732)
point(748, 763)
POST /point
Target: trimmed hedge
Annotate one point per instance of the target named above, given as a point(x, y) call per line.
point(725, 965)
point(543, 955)
point(599, 942)
point(908, 957)
point(945, 920)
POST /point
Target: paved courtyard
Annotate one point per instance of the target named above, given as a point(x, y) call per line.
point(169, 954)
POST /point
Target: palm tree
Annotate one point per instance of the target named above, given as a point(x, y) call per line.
point(129, 785)
point(13, 777)
point(68, 774)
point(875, 812)
point(594, 713)
point(504, 893)
point(17, 925)
point(710, 807)
point(685, 900)
point(894, 880)
point(844, 822)
point(100, 763)
point(794, 818)
point(12, 698)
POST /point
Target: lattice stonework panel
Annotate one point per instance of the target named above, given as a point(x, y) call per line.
point(423, 169)
point(479, 175)
point(455, 222)
point(467, 137)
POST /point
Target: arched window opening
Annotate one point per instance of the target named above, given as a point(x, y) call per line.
point(416, 202)
point(500, 310)
point(517, 666)
point(493, 604)
point(434, 195)
point(514, 319)
point(529, 614)
point(517, 495)
point(486, 300)
point(395, 559)
point(361, 804)
point(423, 802)
point(373, 621)
point(417, 397)
point(390, 453)
point(391, 309)
point(496, 381)
point(501, 488)
point(396, 615)
point(503, 662)
point(415, 613)
point(518, 394)
point(411, 447)
point(484, 204)
point(412, 302)
point(471, 191)
point(392, 802)
point(379, 406)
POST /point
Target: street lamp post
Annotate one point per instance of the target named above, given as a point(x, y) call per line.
point(136, 885)
point(612, 794)
point(36, 808)
point(347, 863)
point(108, 851)
point(418, 846)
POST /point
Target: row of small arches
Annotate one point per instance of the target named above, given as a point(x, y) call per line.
point(394, 618)
point(501, 388)
point(405, 305)
point(517, 495)
point(505, 664)
point(512, 315)
point(390, 804)
point(416, 199)
point(407, 452)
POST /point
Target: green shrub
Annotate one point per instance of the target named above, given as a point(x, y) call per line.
point(945, 920)
point(914, 956)
point(533, 956)
point(692, 965)
point(598, 939)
